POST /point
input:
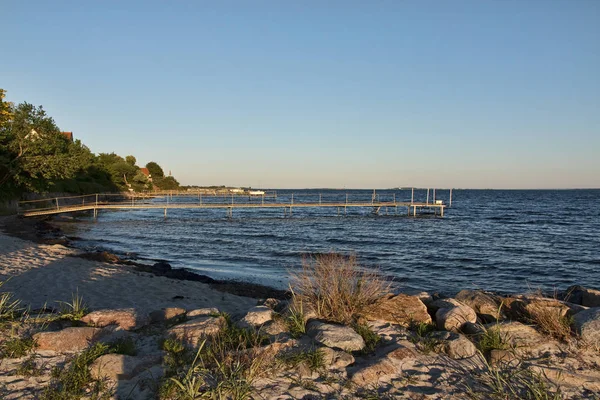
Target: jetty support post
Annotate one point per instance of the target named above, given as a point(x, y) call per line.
point(320, 198)
point(433, 195)
point(165, 212)
point(57, 207)
point(412, 197)
point(450, 205)
point(427, 196)
point(442, 211)
point(96, 199)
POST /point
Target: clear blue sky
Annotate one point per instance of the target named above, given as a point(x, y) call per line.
point(502, 94)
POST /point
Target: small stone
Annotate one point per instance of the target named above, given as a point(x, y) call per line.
point(336, 359)
point(193, 331)
point(335, 336)
point(257, 316)
point(587, 325)
point(401, 309)
point(166, 314)
point(69, 339)
point(202, 312)
point(127, 319)
point(453, 319)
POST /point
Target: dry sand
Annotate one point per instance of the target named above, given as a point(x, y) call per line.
point(43, 274)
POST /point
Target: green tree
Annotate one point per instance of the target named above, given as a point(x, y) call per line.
point(155, 170)
point(167, 183)
point(130, 160)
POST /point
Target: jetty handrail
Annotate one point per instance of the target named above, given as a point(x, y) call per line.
point(145, 200)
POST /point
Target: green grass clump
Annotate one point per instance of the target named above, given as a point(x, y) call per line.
point(74, 381)
point(124, 346)
point(16, 347)
point(314, 359)
point(295, 318)
point(492, 339)
point(222, 368)
point(422, 337)
point(9, 306)
point(371, 339)
point(75, 310)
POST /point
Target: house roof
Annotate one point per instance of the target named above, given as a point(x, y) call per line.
point(68, 135)
point(145, 171)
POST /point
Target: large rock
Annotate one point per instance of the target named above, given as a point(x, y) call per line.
point(257, 316)
point(453, 319)
point(583, 296)
point(127, 318)
point(517, 335)
point(120, 366)
point(167, 314)
point(69, 339)
point(456, 346)
point(400, 309)
point(335, 336)
point(485, 305)
point(192, 332)
point(587, 325)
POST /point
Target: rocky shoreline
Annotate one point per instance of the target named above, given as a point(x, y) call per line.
point(473, 345)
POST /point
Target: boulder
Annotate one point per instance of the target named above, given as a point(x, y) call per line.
point(202, 312)
point(399, 309)
point(459, 347)
point(583, 296)
point(336, 359)
point(127, 318)
point(590, 298)
point(167, 314)
point(335, 336)
point(485, 305)
point(453, 319)
point(120, 366)
point(69, 339)
point(435, 305)
point(587, 325)
point(192, 332)
point(257, 316)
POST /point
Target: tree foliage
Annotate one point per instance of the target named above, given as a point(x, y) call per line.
point(155, 170)
point(36, 157)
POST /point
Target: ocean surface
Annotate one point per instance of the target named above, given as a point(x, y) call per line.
point(501, 240)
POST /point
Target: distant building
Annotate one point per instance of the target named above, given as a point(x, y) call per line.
point(68, 135)
point(146, 172)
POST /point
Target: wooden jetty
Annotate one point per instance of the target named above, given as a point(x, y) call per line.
point(166, 201)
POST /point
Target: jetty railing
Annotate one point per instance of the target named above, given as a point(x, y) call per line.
point(426, 199)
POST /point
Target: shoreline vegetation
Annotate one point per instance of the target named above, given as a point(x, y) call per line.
point(85, 326)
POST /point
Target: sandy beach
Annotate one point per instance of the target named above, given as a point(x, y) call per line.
point(42, 274)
